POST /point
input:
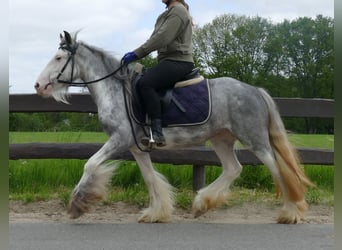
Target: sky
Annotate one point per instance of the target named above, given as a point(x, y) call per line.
point(117, 26)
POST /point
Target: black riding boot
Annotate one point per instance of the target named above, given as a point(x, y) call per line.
point(157, 133)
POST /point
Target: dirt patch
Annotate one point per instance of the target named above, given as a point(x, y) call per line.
point(248, 213)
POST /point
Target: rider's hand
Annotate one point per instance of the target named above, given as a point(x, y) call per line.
point(129, 57)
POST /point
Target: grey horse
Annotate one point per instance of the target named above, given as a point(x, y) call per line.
point(239, 112)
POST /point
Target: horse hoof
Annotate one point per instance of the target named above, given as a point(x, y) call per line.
point(74, 211)
point(199, 209)
point(147, 220)
point(147, 217)
point(198, 213)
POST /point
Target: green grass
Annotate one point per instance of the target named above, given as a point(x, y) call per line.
point(22, 137)
point(313, 141)
point(31, 180)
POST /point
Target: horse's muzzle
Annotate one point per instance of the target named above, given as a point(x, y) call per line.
point(41, 89)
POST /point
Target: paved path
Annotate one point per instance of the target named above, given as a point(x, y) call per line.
point(184, 236)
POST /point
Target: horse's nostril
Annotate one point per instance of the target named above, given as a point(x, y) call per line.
point(36, 86)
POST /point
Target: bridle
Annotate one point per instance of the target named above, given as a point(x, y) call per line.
point(72, 50)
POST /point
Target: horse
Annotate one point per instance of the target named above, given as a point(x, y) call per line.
point(240, 112)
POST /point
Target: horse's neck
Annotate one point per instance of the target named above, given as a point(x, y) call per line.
point(109, 99)
point(93, 67)
point(106, 91)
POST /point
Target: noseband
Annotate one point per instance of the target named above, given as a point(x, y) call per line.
point(72, 50)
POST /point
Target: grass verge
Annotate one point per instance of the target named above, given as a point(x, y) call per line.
point(32, 180)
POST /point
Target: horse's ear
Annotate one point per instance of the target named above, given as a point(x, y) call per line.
point(67, 37)
point(61, 37)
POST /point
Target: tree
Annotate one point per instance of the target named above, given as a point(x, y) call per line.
point(308, 61)
point(289, 59)
point(148, 61)
point(232, 46)
point(308, 47)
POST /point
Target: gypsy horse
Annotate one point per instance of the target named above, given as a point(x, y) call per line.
point(239, 112)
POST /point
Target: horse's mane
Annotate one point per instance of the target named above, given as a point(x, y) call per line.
point(108, 59)
point(110, 62)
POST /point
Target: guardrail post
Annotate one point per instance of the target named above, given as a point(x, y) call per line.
point(198, 177)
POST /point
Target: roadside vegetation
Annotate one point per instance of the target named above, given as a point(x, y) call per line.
point(33, 180)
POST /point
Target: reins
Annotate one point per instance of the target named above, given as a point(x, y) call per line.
point(72, 50)
point(131, 122)
point(75, 84)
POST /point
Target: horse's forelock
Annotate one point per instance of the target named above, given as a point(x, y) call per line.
point(74, 36)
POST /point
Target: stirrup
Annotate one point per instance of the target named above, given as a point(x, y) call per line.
point(148, 141)
point(151, 141)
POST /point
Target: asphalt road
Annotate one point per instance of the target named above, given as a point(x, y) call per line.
point(186, 236)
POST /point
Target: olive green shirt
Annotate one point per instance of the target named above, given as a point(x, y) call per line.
point(172, 36)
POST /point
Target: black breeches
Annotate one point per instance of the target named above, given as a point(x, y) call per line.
point(162, 76)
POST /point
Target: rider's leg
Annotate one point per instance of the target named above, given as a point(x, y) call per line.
point(162, 76)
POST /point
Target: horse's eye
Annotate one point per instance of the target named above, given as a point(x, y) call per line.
point(58, 58)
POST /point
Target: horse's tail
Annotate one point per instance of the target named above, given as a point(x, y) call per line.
point(293, 176)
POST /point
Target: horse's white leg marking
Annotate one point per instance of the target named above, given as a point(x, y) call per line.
point(292, 212)
point(216, 193)
point(92, 186)
point(160, 191)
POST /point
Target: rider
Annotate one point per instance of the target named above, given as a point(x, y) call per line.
point(172, 38)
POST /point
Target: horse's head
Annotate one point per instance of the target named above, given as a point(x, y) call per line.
point(60, 68)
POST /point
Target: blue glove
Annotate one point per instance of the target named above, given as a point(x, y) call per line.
point(129, 57)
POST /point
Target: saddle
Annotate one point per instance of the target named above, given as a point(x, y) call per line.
point(174, 101)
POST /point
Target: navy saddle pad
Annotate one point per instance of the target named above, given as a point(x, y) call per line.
point(192, 106)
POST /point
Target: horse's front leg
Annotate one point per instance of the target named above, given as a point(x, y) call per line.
point(92, 186)
point(160, 191)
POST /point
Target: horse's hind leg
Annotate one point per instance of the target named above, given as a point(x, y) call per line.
point(160, 191)
point(294, 207)
point(216, 193)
